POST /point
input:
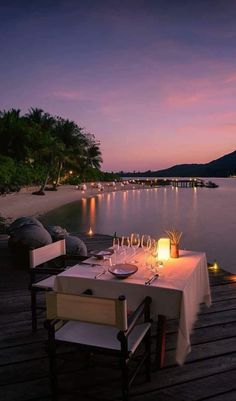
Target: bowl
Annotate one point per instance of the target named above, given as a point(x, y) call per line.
point(123, 270)
point(102, 254)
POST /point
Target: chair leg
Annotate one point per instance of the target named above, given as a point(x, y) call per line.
point(125, 380)
point(148, 356)
point(160, 342)
point(52, 368)
point(33, 310)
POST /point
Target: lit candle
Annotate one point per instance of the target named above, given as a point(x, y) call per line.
point(90, 232)
point(215, 265)
point(163, 249)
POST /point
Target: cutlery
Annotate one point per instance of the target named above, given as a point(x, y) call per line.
point(91, 264)
point(151, 279)
point(100, 274)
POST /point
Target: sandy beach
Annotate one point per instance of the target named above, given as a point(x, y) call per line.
point(23, 203)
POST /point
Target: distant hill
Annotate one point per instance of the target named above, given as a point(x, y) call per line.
point(222, 167)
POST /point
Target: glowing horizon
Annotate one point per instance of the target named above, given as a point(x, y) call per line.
point(154, 82)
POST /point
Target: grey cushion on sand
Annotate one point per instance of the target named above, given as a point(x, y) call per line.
point(57, 232)
point(21, 222)
point(32, 236)
point(75, 246)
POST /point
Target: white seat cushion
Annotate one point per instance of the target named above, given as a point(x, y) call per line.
point(99, 335)
point(46, 283)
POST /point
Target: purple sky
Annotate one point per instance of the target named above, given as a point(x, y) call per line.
point(153, 80)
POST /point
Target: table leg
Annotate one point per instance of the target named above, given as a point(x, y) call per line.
point(160, 342)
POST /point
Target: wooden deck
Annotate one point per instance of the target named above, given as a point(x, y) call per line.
point(208, 374)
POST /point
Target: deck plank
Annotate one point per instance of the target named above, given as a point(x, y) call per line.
point(208, 374)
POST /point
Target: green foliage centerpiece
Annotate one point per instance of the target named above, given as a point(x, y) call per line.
point(175, 237)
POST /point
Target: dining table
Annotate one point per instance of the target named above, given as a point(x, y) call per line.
point(177, 291)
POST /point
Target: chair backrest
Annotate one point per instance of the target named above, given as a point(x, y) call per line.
point(87, 308)
point(48, 252)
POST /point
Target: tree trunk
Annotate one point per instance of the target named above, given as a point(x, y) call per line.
point(45, 182)
point(57, 182)
point(41, 190)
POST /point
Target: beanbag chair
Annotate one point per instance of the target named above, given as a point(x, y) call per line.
point(21, 222)
point(75, 246)
point(57, 232)
point(31, 236)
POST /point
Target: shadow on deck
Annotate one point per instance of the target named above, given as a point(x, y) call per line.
point(208, 374)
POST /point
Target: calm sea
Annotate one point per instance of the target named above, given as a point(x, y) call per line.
point(206, 216)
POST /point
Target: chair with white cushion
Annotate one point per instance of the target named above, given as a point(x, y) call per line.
point(93, 324)
point(45, 263)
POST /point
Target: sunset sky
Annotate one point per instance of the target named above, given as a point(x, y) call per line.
point(153, 80)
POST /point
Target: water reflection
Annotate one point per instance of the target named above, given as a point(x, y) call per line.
point(206, 216)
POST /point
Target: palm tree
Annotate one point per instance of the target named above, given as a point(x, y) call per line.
point(45, 146)
point(94, 155)
point(15, 135)
point(37, 116)
point(91, 156)
point(48, 143)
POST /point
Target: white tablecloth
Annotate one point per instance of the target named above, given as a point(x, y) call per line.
point(177, 293)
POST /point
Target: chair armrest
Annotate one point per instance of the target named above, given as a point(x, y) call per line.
point(75, 257)
point(54, 324)
point(142, 309)
point(47, 270)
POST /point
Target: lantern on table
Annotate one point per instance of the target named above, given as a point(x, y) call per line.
point(163, 249)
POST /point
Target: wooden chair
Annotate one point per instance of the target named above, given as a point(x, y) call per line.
point(94, 324)
point(45, 263)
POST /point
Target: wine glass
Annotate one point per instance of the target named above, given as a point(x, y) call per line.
point(125, 244)
point(159, 267)
point(116, 246)
point(125, 241)
point(153, 249)
point(146, 245)
point(134, 241)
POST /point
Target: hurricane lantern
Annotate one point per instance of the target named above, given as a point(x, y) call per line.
point(163, 249)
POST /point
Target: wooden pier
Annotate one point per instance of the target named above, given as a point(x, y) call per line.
point(208, 374)
point(175, 182)
point(187, 183)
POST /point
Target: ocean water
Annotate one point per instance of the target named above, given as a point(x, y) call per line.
point(206, 216)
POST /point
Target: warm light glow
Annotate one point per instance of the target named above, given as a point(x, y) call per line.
point(163, 249)
point(215, 266)
point(70, 172)
point(92, 208)
point(90, 231)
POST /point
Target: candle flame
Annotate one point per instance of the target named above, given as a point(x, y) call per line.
point(90, 231)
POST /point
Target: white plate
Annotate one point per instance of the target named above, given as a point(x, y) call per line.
point(123, 270)
point(102, 254)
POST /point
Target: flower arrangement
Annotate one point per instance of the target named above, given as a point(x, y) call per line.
point(174, 236)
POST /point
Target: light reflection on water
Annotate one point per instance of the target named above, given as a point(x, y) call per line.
point(206, 216)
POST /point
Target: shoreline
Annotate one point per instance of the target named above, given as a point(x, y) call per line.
point(23, 203)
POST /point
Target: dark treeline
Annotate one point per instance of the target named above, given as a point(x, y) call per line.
point(38, 148)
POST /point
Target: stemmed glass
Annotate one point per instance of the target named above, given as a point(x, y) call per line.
point(146, 245)
point(125, 244)
point(116, 246)
point(125, 241)
point(134, 242)
point(153, 249)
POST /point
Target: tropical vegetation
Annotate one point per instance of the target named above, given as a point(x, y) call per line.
point(40, 149)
